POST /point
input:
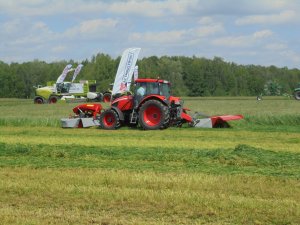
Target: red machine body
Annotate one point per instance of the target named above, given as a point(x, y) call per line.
point(88, 110)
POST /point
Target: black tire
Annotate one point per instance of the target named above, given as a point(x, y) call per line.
point(154, 115)
point(53, 99)
point(106, 97)
point(297, 95)
point(39, 100)
point(109, 120)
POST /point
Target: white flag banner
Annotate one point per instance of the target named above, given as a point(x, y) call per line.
point(62, 77)
point(136, 73)
point(125, 70)
point(77, 71)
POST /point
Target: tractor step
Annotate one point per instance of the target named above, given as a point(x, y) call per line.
point(133, 118)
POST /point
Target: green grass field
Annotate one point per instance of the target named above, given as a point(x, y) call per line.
point(247, 174)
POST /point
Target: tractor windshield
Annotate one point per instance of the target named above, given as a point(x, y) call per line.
point(165, 89)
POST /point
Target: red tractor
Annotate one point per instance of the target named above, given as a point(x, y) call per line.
point(151, 106)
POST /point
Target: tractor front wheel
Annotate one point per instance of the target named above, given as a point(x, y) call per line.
point(109, 120)
point(154, 115)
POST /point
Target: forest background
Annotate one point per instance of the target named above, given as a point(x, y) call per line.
point(190, 76)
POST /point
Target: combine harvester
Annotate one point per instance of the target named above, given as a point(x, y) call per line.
point(151, 105)
point(68, 91)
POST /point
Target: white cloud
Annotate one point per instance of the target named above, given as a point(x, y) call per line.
point(152, 8)
point(50, 8)
point(283, 17)
point(242, 40)
point(291, 55)
point(231, 41)
point(276, 46)
point(178, 37)
point(91, 28)
point(262, 34)
point(146, 8)
point(59, 48)
point(204, 31)
point(166, 37)
point(17, 32)
point(206, 20)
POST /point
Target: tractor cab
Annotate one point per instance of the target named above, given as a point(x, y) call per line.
point(150, 87)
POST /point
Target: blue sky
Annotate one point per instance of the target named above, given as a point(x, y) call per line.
point(260, 32)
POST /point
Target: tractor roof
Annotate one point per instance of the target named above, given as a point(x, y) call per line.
point(149, 80)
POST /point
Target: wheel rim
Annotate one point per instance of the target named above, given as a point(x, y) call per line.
point(109, 120)
point(297, 95)
point(53, 100)
point(106, 98)
point(152, 116)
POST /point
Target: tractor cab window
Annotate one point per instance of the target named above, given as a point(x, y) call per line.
point(165, 89)
point(140, 89)
point(153, 88)
point(147, 88)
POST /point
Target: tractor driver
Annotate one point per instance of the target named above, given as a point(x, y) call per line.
point(140, 92)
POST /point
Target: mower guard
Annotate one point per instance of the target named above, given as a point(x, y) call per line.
point(79, 122)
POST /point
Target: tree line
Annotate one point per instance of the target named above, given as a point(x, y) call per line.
point(190, 76)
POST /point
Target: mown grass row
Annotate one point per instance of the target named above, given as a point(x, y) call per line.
point(93, 196)
point(242, 159)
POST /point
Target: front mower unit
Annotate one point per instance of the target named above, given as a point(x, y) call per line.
point(85, 116)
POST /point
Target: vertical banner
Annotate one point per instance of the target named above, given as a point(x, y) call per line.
point(77, 71)
point(125, 70)
point(62, 77)
point(136, 73)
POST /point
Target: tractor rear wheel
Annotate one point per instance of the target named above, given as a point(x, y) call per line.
point(154, 115)
point(297, 95)
point(109, 120)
